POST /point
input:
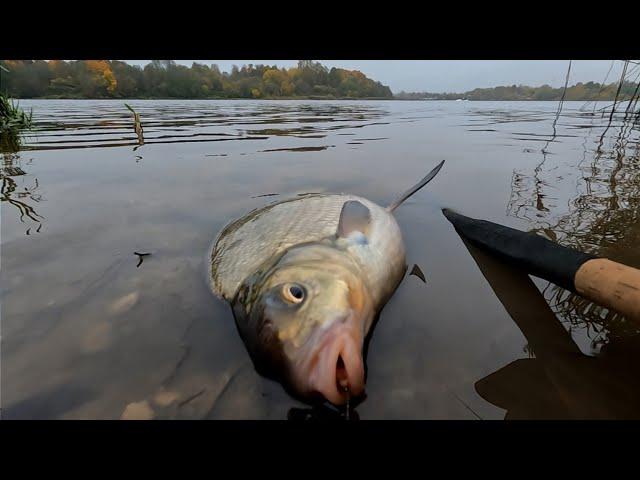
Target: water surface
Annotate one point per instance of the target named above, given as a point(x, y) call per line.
point(89, 331)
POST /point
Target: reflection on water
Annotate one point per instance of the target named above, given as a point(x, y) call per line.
point(603, 214)
point(94, 328)
point(559, 381)
point(64, 125)
point(16, 192)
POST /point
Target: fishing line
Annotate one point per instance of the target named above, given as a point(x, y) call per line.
point(346, 413)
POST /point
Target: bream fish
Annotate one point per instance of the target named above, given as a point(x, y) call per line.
point(305, 278)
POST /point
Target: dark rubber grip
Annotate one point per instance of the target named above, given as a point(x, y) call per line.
point(533, 253)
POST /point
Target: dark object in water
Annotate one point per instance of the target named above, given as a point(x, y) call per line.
point(603, 281)
point(266, 195)
point(418, 273)
point(300, 149)
point(141, 256)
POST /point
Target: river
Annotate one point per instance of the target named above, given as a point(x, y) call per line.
point(92, 330)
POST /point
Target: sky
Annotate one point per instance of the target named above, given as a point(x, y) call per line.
point(453, 75)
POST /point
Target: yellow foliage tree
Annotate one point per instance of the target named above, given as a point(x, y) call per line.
point(102, 68)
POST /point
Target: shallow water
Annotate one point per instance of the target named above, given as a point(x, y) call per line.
point(90, 332)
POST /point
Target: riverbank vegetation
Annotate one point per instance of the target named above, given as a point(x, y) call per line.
point(13, 120)
point(166, 79)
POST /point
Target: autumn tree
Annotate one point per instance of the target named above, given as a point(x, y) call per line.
point(102, 81)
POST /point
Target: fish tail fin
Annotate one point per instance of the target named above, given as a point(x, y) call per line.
point(401, 198)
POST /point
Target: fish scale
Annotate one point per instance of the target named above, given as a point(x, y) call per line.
point(245, 243)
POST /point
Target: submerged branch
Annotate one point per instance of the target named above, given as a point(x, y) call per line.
point(137, 125)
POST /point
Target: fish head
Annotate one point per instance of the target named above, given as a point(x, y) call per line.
point(304, 321)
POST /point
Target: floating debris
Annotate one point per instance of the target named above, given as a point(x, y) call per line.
point(141, 257)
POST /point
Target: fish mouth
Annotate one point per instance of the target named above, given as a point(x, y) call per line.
point(336, 367)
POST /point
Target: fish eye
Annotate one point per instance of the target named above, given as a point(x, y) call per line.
point(293, 293)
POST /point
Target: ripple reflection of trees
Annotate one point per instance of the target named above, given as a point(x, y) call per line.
point(21, 199)
point(603, 219)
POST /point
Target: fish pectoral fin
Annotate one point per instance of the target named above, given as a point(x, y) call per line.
point(353, 217)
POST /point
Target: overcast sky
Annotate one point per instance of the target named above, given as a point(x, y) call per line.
point(454, 75)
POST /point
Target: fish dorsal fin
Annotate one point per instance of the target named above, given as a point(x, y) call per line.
point(354, 217)
point(396, 203)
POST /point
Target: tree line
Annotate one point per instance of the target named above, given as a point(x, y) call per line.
point(166, 79)
point(580, 91)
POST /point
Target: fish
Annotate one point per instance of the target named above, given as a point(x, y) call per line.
point(306, 277)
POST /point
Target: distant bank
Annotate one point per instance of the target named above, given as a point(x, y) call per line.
point(590, 91)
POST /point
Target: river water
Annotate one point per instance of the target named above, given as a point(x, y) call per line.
point(89, 331)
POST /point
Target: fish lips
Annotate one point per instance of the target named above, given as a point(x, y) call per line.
point(329, 360)
point(334, 368)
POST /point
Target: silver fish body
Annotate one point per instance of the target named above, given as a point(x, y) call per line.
point(306, 278)
point(244, 245)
